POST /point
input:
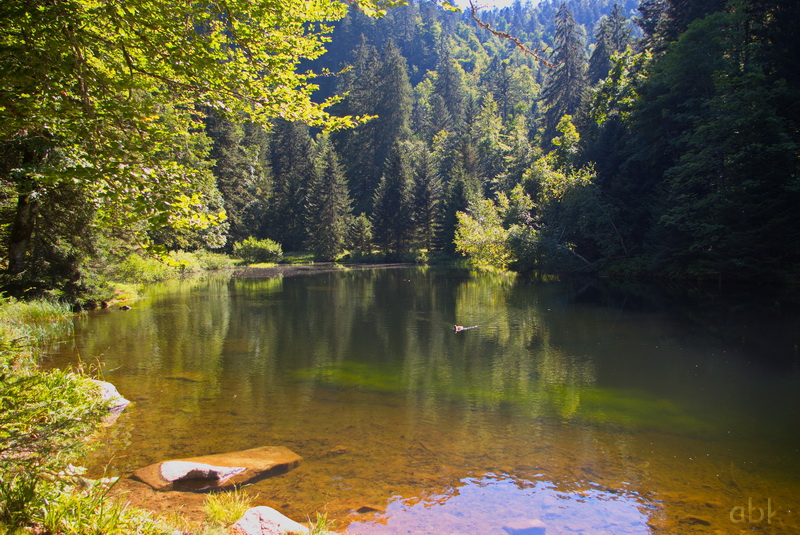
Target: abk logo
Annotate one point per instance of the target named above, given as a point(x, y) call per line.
point(753, 514)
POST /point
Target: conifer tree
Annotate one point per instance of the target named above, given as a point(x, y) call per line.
point(449, 85)
point(241, 170)
point(358, 146)
point(613, 36)
point(427, 194)
point(456, 199)
point(328, 205)
point(293, 170)
point(565, 88)
point(381, 88)
point(489, 130)
point(393, 100)
point(392, 216)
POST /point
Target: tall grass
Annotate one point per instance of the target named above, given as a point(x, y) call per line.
point(87, 509)
point(33, 320)
point(225, 508)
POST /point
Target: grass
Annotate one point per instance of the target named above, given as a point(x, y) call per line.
point(27, 325)
point(321, 526)
point(90, 511)
point(298, 257)
point(225, 508)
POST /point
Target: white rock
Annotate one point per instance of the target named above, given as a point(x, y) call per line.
point(184, 470)
point(109, 392)
point(266, 521)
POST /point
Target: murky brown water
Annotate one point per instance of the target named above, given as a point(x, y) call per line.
point(571, 409)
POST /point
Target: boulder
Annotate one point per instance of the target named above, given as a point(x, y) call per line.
point(266, 521)
point(174, 471)
point(223, 470)
point(115, 402)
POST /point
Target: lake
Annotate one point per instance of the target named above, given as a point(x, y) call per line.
point(572, 407)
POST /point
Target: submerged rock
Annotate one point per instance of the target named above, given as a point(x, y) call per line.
point(223, 470)
point(266, 521)
point(525, 527)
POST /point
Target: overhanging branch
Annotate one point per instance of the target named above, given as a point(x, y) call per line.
point(536, 53)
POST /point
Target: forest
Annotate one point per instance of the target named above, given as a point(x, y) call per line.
point(651, 140)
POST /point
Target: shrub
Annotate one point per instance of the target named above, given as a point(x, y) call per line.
point(213, 261)
point(255, 251)
point(185, 263)
point(141, 269)
point(480, 236)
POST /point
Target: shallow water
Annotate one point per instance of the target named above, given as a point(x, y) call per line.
point(572, 408)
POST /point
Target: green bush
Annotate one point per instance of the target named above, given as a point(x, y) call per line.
point(255, 251)
point(213, 261)
point(141, 269)
point(185, 263)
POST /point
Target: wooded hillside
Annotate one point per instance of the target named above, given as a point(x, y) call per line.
point(656, 140)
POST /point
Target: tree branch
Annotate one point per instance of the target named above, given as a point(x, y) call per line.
point(537, 53)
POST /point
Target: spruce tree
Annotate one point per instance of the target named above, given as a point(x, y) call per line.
point(489, 131)
point(393, 101)
point(381, 88)
point(392, 216)
point(293, 169)
point(564, 89)
point(357, 147)
point(427, 195)
point(613, 36)
point(241, 171)
point(449, 85)
point(328, 206)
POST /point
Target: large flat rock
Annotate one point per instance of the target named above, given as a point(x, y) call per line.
point(222, 470)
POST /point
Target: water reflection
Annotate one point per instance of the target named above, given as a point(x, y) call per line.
point(502, 505)
point(615, 411)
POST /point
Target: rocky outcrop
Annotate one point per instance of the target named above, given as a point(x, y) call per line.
point(223, 470)
point(266, 521)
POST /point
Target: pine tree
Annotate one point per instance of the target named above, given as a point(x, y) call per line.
point(564, 89)
point(427, 194)
point(328, 206)
point(392, 216)
point(293, 169)
point(241, 170)
point(613, 36)
point(449, 85)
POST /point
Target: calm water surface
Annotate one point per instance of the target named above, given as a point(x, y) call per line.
point(572, 408)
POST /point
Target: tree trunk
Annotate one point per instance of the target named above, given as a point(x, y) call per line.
point(22, 231)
